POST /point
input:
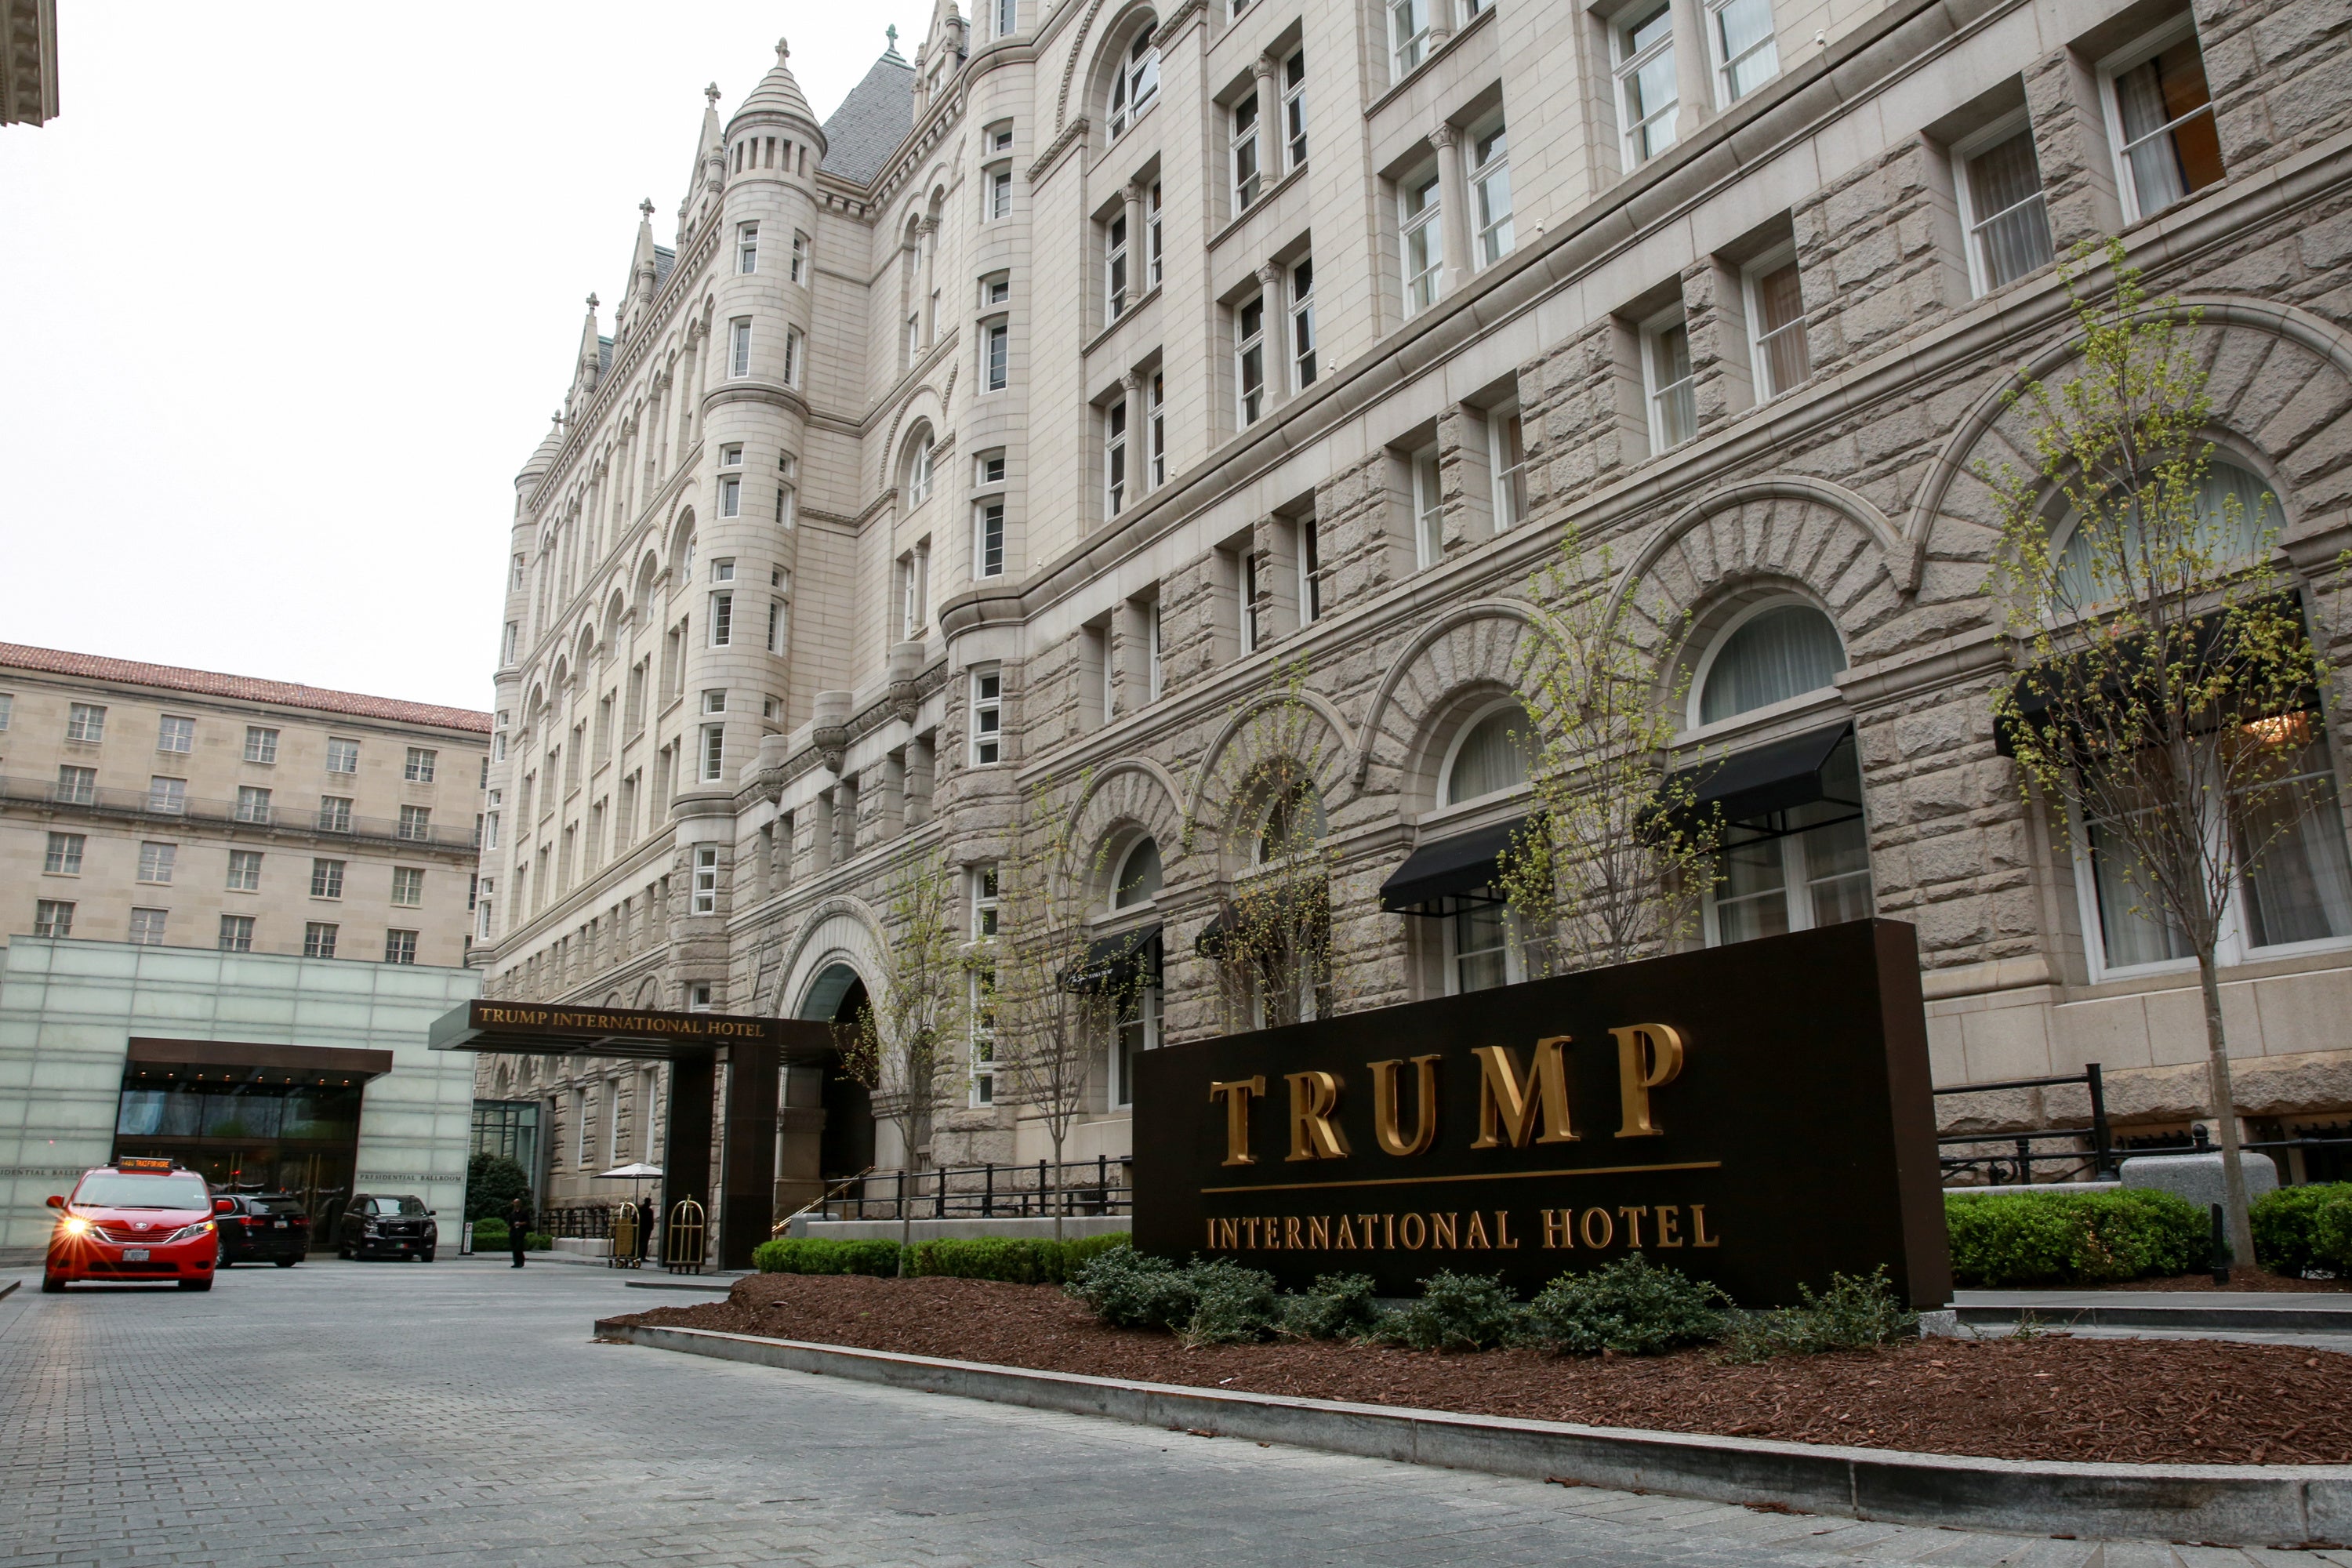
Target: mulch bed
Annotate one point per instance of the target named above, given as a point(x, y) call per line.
point(2148, 1401)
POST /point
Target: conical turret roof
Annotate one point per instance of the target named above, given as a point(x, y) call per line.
point(778, 93)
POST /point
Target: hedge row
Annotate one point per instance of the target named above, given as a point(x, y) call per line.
point(2030, 1239)
point(2297, 1228)
point(1022, 1260)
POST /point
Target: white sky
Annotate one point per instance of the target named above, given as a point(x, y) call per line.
point(288, 293)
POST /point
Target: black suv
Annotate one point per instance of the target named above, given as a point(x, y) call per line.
point(263, 1227)
point(384, 1225)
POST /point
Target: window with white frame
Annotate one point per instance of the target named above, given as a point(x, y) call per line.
point(996, 192)
point(408, 886)
point(738, 347)
point(64, 857)
point(779, 624)
point(996, 356)
point(1004, 17)
point(77, 786)
point(1490, 192)
point(252, 804)
point(914, 589)
point(176, 734)
point(995, 289)
point(2161, 121)
point(342, 756)
point(1423, 236)
point(1770, 652)
point(335, 813)
point(1666, 380)
point(722, 619)
point(799, 257)
point(998, 138)
point(714, 753)
point(987, 716)
point(318, 939)
point(418, 766)
point(698, 998)
point(1428, 507)
point(979, 888)
point(1795, 869)
point(747, 247)
point(1137, 83)
point(326, 878)
point(1242, 143)
point(1137, 1030)
point(1302, 324)
point(918, 471)
point(1479, 952)
point(1408, 35)
point(793, 356)
point(787, 494)
point(1489, 756)
point(1249, 362)
point(1115, 456)
point(988, 520)
point(53, 917)
point(1247, 584)
point(1156, 432)
point(1151, 653)
point(147, 927)
point(1310, 571)
point(2001, 205)
point(416, 822)
point(981, 1008)
point(86, 721)
point(1293, 111)
point(1507, 461)
point(722, 569)
point(706, 879)
point(1114, 272)
point(243, 871)
point(1739, 37)
point(167, 796)
point(1775, 323)
point(1642, 43)
point(1152, 234)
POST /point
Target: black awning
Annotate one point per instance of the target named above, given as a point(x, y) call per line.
point(1119, 962)
point(1448, 868)
point(532, 1028)
point(1779, 776)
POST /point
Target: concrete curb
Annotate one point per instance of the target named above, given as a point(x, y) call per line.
point(2285, 1319)
point(10, 1289)
point(2226, 1504)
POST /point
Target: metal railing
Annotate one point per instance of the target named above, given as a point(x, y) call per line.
point(143, 806)
point(2014, 1164)
point(1101, 1185)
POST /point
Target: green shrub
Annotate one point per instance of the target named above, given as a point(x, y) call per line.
point(1129, 1289)
point(808, 1255)
point(1630, 1307)
point(490, 1235)
point(2025, 1238)
point(1021, 1261)
point(538, 1241)
point(2284, 1222)
point(1456, 1312)
point(1232, 1305)
point(2331, 1233)
point(1336, 1307)
point(492, 1182)
point(1857, 1312)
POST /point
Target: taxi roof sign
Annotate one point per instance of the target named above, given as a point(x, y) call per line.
point(144, 1166)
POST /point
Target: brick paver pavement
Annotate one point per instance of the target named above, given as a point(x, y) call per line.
point(458, 1413)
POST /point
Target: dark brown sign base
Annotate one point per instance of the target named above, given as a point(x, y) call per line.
point(1756, 1114)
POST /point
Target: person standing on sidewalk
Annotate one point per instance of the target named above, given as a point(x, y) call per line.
point(645, 1229)
point(518, 1228)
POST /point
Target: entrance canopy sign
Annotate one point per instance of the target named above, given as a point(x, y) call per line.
point(547, 1029)
point(1756, 1114)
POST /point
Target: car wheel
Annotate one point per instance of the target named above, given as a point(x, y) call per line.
point(343, 1250)
point(204, 1284)
point(286, 1262)
point(425, 1255)
point(51, 1284)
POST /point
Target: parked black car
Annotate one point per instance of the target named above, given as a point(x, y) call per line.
point(382, 1225)
point(263, 1226)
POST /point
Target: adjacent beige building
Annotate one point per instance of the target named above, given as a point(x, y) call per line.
point(173, 807)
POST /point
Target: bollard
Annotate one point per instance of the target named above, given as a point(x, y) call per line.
point(2221, 1246)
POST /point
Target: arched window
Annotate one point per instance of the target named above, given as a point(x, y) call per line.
point(1293, 820)
point(2234, 511)
point(1136, 880)
point(1490, 756)
point(918, 470)
point(1781, 651)
point(1137, 82)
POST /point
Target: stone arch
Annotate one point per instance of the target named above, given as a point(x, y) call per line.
point(648, 993)
point(1091, 58)
point(838, 932)
point(681, 530)
point(1478, 642)
point(2281, 384)
point(1132, 798)
point(1228, 781)
point(922, 405)
point(642, 592)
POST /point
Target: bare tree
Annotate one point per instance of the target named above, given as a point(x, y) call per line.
point(1616, 857)
point(901, 1044)
point(2168, 706)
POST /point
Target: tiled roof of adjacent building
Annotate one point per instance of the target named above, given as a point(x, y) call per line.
point(871, 120)
point(240, 687)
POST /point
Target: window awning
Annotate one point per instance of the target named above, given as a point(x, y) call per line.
point(1448, 868)
point(1779, 776)
point(1119, 963)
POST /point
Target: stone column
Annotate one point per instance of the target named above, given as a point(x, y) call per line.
point(1267, 71)
point(1139, 261)
point(929, 230)
point(1277, 336)
point(1453, 203)
point(1130, 395)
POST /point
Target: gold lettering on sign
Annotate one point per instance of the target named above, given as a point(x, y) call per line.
point(1503, 1242)
point(1236, 1096)
point(1649, 1056)
point(1384, 1106)
point(1318, 1233)
point(1699, 1236)
point(1608, 1228)
point(1290, 1231)
point(1413, 1231)
point(1669, 1216)
point(1313, 1134)
point(1476, 1235)
point(1558, 1228)
point(1343, 1236)
point(1443, 1229)
point(1511, 1105)
point(1633, 1222)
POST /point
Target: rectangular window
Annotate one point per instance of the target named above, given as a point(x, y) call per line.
point(1428, 507)
point(981, 882)
point(799, 257)
point(1005, 16)
point(1796, 869)
point(1776, 320)
point(1293, 111)
point(715, 702)
point(738, 347)
point(1302, 325)
point(988, 538)
point(260, 744)
point(237, 933)
point(1507, 459)
point(147, 928)
point(1159, 431)
point(730, 497)
point(1115, 290)
point(155, 862)
point(1425, 240)
point(252, 805)
point(987, 716)
point(7, 709)
point(1152, 236)
point(1310, 572)
point(714, 752)
point(730, 456)
point(1115, 458)
point(1000, 136)
point(2164, 117)
point(53, 917)
point(1478, 948)
point(513, 644)
point(1241, 140)
point(86, 721)
point(722, 619)
point(2001, 205)
point(334, 814)
point(981, 1010)
point(318, 939)
point(77, 786)
point(416, 822)
point(1490, 193)
point(342, 756)
point(1249, 623)
point(997, 356)
point(1153, 664)
point(1408, 35)
point(747, 247)
point(999, 194)
point(407, 886)
point(418, 767)
point(776, 626)
point(1740, 33)
point(244, 870)
point(1249, 362)
point(167, 797)
point(996, 290)
point(400, 947)
point(326, 878)
point(792, 356)
point(1666, 369)
point(1647, 97)
point(1137, 1031)
point(64, 857)
point(706, 880)
point(176, 734)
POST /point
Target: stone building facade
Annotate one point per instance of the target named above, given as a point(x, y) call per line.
point(1081, 387)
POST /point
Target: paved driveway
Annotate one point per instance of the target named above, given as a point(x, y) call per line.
point(458, 1412)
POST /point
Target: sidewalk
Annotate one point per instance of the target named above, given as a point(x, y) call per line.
point(2323, 1320)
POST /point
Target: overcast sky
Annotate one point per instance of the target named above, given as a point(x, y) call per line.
point(289, 291)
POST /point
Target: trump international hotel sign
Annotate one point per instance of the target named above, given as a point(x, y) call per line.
point(1757, 1114)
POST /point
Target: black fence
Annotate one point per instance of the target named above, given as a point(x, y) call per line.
point(2093, 1153)
point(1098, 1186)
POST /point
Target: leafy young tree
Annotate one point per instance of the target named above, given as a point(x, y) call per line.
point(901, 1044)
point(1615, 859)
point(2168, 706)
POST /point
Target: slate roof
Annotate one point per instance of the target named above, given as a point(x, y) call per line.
point(604, 355)
point(663, 262)
point(242, 688)
point(871, 120)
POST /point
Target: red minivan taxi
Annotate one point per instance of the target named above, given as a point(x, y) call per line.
point(138, 1221)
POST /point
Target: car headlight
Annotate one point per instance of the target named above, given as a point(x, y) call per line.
point(189, 1231)
point(74, 1225)
point(367, 1227)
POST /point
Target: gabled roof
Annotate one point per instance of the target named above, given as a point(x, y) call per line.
point(871, 120)
point(240, 687)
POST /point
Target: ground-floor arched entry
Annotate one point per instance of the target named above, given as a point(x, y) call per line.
point(847, 1145)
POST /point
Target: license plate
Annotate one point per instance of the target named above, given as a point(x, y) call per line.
point(277, 1224)
point(134, 1255)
